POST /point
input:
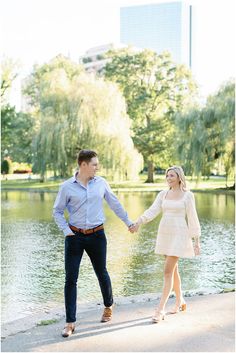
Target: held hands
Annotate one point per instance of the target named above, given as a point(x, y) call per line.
point(134, 228)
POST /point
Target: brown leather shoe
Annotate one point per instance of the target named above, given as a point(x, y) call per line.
point(68, 330)
point(107, 314)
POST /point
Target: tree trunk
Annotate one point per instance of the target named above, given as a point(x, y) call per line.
point(42, 178)
point(226, 180)
point(231, 187)
point(150, 178)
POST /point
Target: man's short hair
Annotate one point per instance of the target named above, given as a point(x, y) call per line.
point(86, 156)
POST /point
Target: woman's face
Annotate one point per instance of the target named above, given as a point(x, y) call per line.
point(172, 178)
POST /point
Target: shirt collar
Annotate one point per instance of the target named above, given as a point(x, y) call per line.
point(74, 180)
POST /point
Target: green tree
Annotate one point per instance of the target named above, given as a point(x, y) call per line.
point(9, 72)
point(55, 112)
point(5, 167)
point(205, 135)
point(75, 110)
point(17, 133)
point(16, 127)
point(8, 115)
point(196, 142)
point(154, 88)
point(34, 85)
point(104, 117)
point(229, 160)
point(223, 105)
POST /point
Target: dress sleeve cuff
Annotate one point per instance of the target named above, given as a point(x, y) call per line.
point(139, 221)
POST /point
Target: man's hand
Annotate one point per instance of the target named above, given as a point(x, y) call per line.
point(134, 228)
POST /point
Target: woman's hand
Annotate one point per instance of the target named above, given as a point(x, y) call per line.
point(197, 249)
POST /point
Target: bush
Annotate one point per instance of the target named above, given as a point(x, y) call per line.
point(6, 166)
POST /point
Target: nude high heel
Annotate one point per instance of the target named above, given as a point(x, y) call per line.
point(158, 316)
point(178, 308)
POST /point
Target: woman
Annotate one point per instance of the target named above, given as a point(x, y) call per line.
point(175, 236)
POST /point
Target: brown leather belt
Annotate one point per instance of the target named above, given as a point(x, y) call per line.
point(86, 231)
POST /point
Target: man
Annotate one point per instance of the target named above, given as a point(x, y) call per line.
point(82, 196)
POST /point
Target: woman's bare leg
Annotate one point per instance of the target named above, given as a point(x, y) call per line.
point(177, 286)
point(169, 268)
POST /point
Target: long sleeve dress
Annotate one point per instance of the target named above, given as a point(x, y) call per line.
point(174, 237)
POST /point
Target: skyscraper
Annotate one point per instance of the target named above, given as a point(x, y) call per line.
point(161, 26)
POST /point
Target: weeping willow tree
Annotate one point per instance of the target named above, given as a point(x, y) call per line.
point(48, 91)
point(205, 135)
point(197, 144)
point(74, 110)
point(223, 103)
point(107, 125)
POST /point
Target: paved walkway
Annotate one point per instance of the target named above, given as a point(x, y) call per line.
point(206, 326)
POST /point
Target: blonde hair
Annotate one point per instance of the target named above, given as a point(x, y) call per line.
point(179, 171)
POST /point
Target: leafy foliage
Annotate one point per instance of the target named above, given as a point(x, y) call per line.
point(75, 110)
point(154, 88)
point(17, 133)
point(206, 135)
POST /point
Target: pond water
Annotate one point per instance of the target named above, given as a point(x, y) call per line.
point(33, 250)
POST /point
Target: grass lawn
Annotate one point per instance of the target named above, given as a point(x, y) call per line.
point(30, 184)
point(216, 184)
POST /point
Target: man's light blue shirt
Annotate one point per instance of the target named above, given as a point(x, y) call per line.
point(85, 204)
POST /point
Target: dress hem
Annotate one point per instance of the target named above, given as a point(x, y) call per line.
point(168, 254)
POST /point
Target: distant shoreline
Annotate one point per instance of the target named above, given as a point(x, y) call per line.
point(212, 185)
point(148, 189)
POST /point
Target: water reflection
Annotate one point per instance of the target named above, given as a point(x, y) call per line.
point(32, 252)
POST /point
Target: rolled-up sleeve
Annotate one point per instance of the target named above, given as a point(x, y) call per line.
point(192, 217)
point(58, 211)
point(115, 205)
point(153, 211)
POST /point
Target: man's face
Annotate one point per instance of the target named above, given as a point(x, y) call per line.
point(91, 168)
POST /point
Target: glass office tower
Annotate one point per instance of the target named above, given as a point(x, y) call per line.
point(162, 26)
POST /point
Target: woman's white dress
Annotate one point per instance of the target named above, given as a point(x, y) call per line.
point(174, 237)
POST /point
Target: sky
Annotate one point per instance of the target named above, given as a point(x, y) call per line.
point(34, 31)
